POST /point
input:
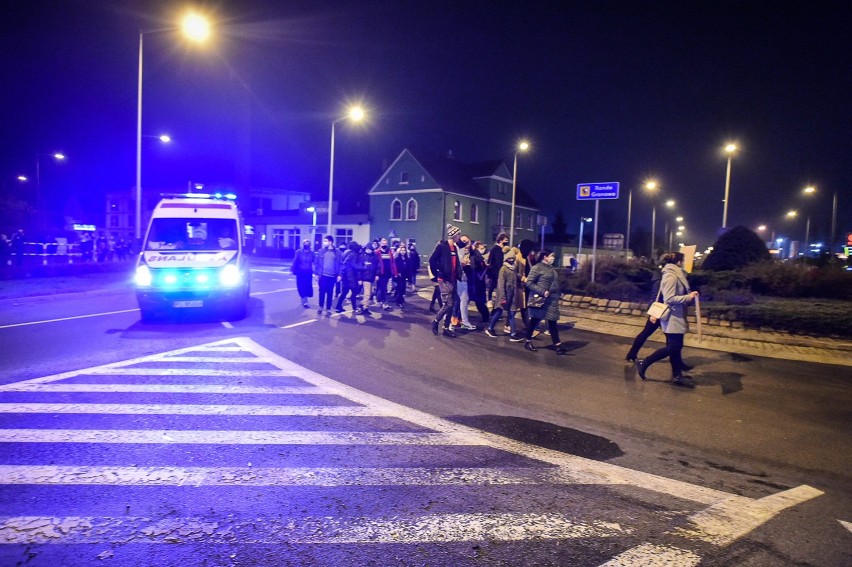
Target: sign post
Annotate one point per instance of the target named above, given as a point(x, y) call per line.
point(595, 192)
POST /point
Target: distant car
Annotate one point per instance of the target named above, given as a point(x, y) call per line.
point(193, 259)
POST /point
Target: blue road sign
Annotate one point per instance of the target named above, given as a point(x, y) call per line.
point(595, 191)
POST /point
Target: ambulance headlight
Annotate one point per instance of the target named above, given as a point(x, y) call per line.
point(143, 277)
point(230, 276)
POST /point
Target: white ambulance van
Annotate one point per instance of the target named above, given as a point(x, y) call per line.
point(193, 258)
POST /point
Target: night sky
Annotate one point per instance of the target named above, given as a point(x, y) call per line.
point(604, 91)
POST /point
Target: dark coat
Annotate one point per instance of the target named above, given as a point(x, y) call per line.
point(544, 278)
point(370, 266)
point(441, 262)
point(506, 289)
point(303, 262)
point(350, 269)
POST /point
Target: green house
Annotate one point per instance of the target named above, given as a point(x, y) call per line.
point(418, 195)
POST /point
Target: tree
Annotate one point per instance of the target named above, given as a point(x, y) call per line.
point(559, 226)
point(735, 249)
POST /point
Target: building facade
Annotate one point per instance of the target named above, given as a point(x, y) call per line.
point(417, 196)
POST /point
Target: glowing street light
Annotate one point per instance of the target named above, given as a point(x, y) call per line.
point(194, 27)
point(313, 211)
point(730, 149)
point(523, 146)
point(355, 114)
point(651, 186)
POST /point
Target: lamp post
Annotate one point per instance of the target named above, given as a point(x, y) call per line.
point(629, 211)
point(522, 147)
point(313, 211)
point(809, 190)
point(729, 149)
point(195, 28)
point(652, 186)
point(583, 221)
point(39, 213)
point(356, 114)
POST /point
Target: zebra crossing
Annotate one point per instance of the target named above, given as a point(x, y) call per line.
point(230, 444)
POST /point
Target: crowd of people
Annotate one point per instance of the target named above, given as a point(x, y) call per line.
point(502, 283)
point(378, 273)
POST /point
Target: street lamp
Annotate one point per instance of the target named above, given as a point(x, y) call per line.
point(39, 215)
point(522, 147)
point(652, 186)
point(313, 210)
point(583, 221)
point(809, 190)
point(729, 149)
point(194, 27)
point(355, 114)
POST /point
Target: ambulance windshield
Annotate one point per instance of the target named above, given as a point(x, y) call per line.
point(183, 235)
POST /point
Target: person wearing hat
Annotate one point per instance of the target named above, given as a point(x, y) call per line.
point(504, 294)
point(445, 265)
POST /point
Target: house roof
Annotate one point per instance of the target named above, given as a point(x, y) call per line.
point(458, 177)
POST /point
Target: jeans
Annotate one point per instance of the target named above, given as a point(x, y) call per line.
point(448, 297)
point(496, 314)
point(326, 290)
point(673, 349)
point(464, 302)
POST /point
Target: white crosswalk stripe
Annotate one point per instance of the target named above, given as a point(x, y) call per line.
point(709, 518)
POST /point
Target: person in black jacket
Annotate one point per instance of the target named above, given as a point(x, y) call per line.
point(446, 266)
point(413, 265)
point(350, 277)
point(495, 262)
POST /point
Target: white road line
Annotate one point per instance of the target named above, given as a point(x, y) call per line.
point(190, 409)
point(227, 359)
point(729, 520)
point(145, 436)
point(167, 389)
point(649, 555)
point(299, 324)
point(846, 525)
point(67, 318)
point(434, 528)
point(288, 476)
point(256, 293)
point(227, 325)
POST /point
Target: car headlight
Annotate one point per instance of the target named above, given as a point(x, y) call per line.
point(230, 276)
point(143, 277)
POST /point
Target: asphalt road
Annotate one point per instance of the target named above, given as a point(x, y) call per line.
point(470, 451)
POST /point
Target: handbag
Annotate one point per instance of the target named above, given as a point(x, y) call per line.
point(658, 310)
point(535, 301)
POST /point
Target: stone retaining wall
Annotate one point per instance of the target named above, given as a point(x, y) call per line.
point(615, 307)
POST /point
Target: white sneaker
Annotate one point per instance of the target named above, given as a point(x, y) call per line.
point(489, 304)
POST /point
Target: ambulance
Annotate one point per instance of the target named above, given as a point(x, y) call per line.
point(193, 258)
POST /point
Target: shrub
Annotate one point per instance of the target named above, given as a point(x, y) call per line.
point(735, 249)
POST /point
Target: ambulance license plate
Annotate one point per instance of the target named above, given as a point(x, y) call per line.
point(194, 303)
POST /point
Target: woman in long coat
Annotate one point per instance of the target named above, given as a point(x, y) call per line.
point(675, 291)
point(543, 281)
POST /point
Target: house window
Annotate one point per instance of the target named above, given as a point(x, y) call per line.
point(286, 238)
point(500, 218)
point(342, 236)
point(530, 222)
point(396, 210)
point(474, 213)
point(457, 211)
point(411, 210)
point(403, 178)
point(422, 179)
point(518, 219)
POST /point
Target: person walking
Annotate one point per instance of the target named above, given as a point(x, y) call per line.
point(387, 270)
point(369, 270)
point(504, 295)
point(350, 277)
point(445, 265)
point(477, 282)
point(400, 278)
point(327, 269)
point(303, 268)
point(495, 263)
point(413, 265)
point(462, 309)
point(17, 244)
point(543, 300)
point(674, 289)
